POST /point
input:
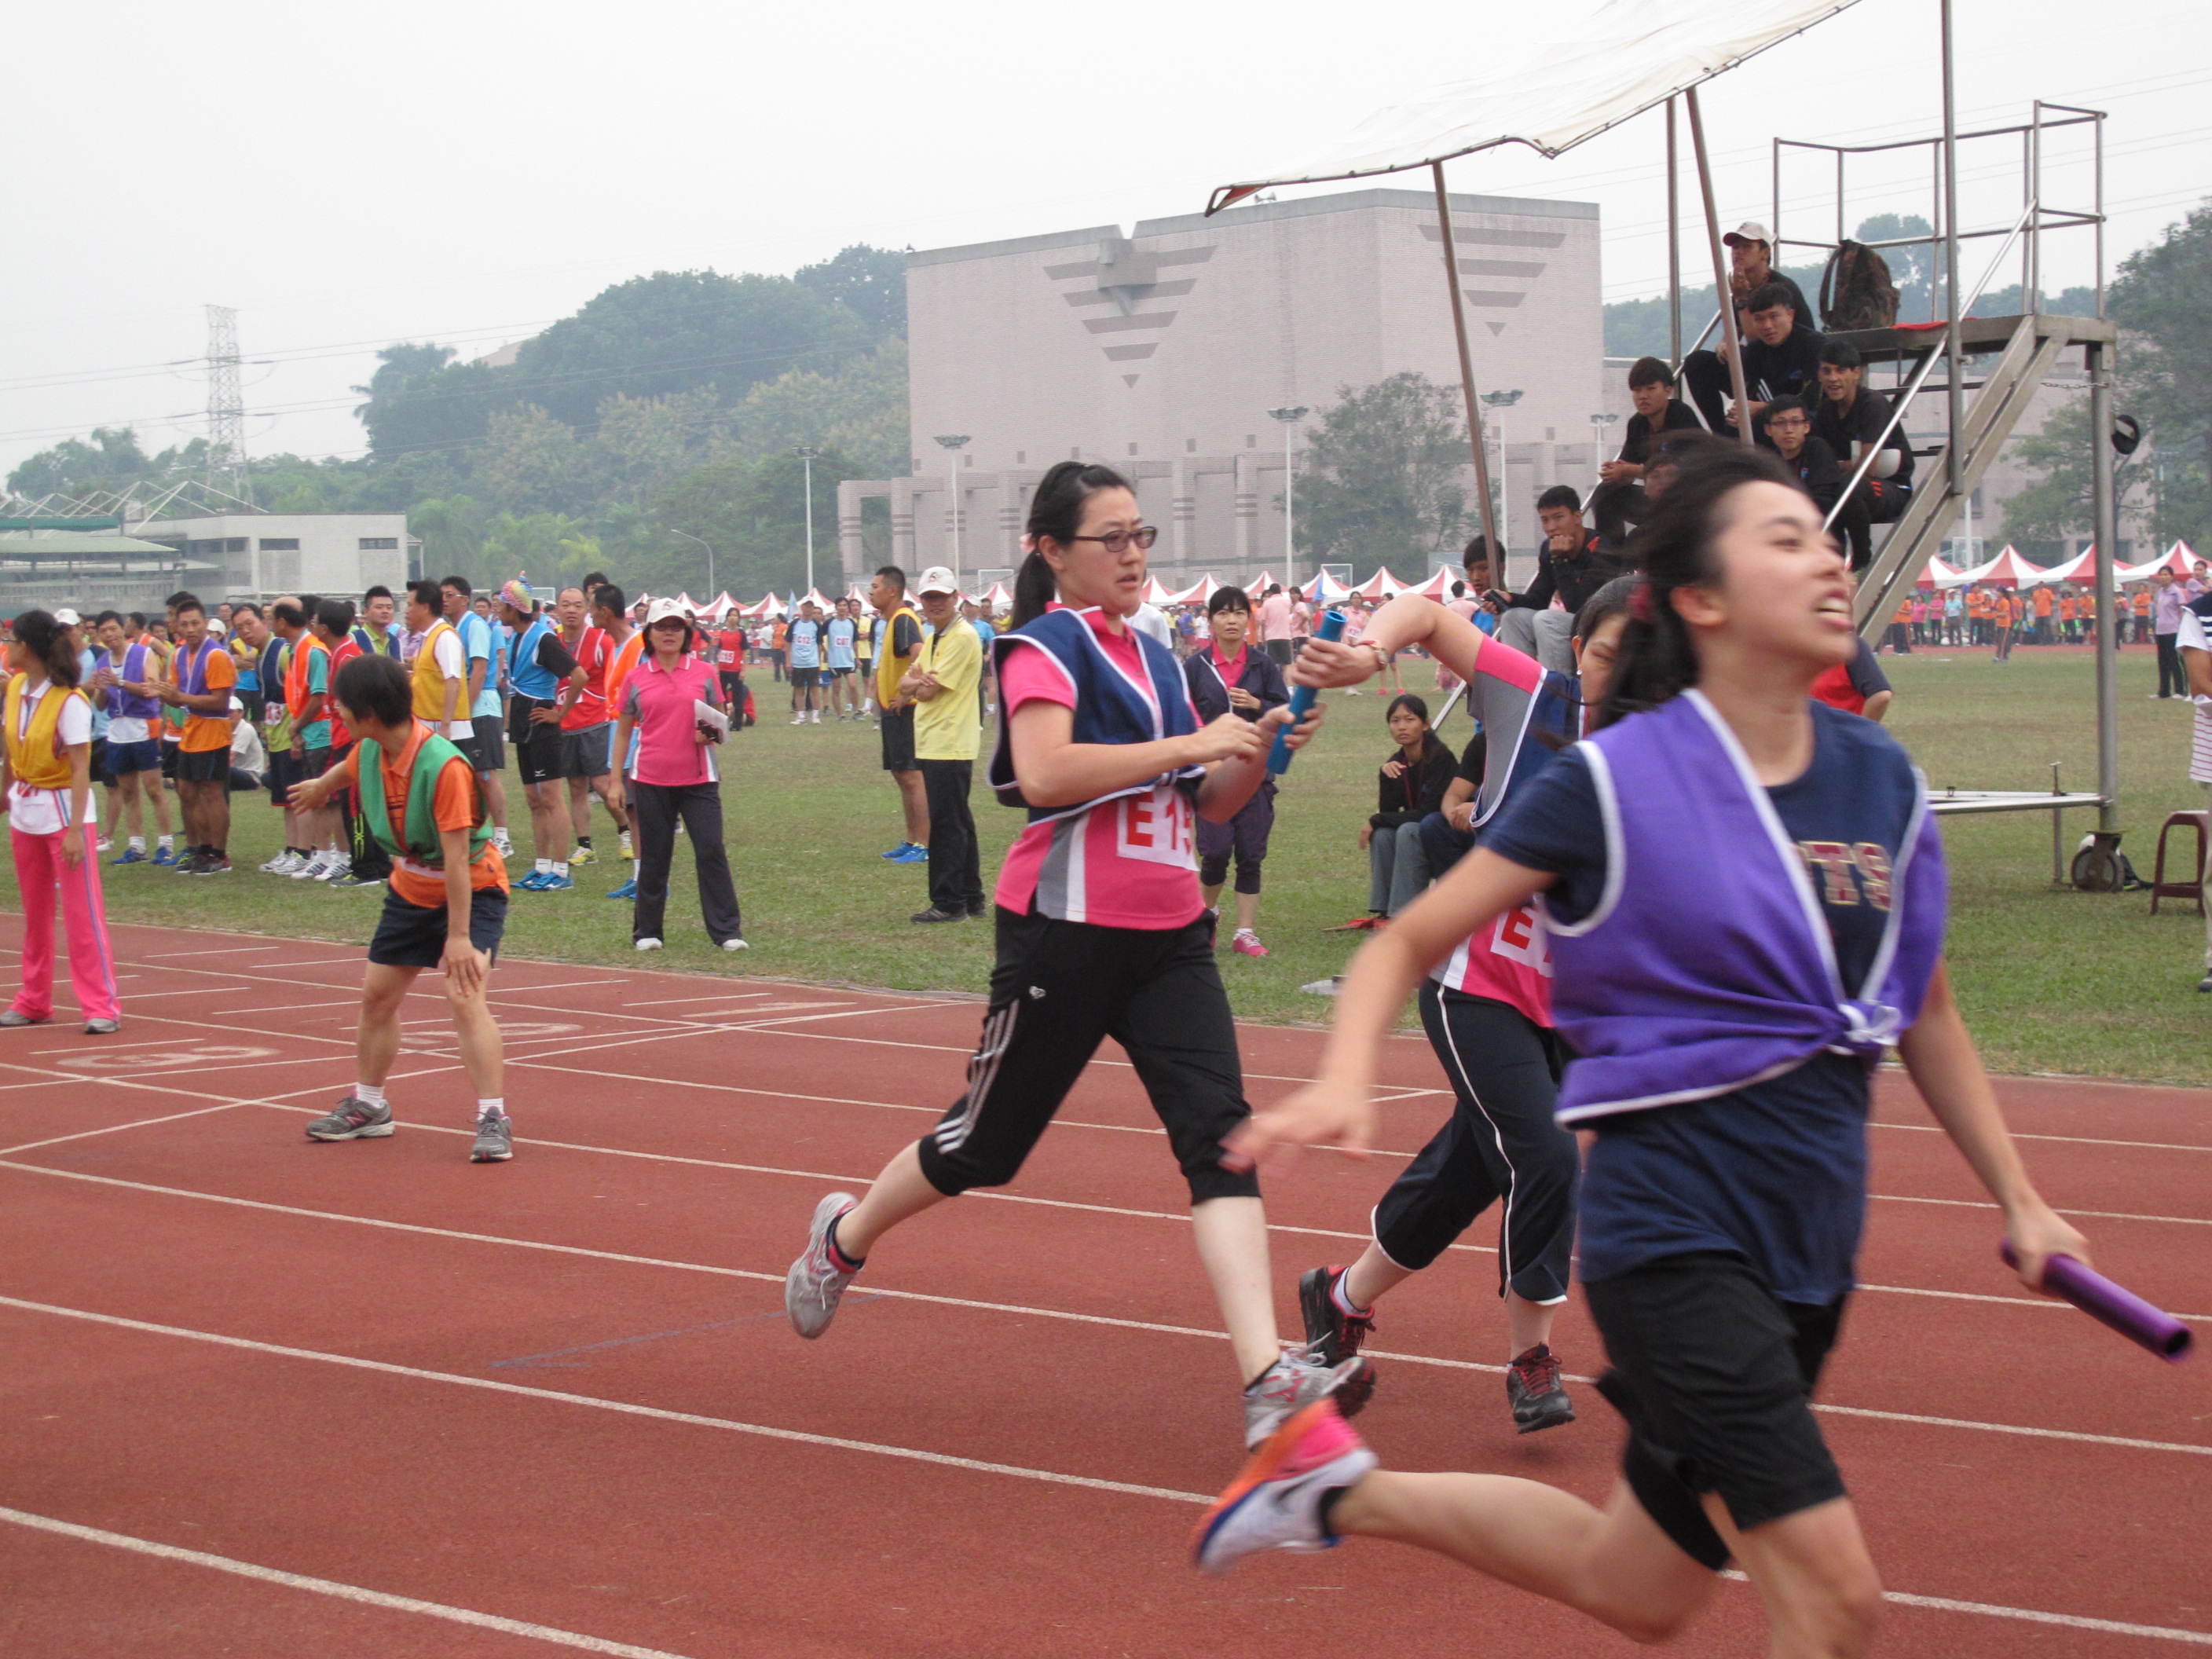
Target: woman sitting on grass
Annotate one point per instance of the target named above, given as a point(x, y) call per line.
point(1410, 786)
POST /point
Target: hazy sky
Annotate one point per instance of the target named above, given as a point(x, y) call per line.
point(469, 172)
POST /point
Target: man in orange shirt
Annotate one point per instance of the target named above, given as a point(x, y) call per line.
point(200, 679)
point(446, 907)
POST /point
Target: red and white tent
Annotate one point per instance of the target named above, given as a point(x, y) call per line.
point(997, 597)
point(2008, 569)
point(1380, 586)
point(1155, 591)
point(1260, 584)
point(768, 606)
point(2180, 558)
point(2080, 569)
point(1438, 587)
point(1323, 589)
point(1199, 592)
point(1937, 574)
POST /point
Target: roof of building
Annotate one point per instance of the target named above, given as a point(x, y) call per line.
point(77, 544)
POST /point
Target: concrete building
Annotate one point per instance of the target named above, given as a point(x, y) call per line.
point(261, 555)
point(1162, 351)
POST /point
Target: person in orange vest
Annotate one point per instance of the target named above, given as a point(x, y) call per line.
point(2043, 634)
point(46, 789)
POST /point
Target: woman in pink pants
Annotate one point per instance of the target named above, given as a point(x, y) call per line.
point(45, 787)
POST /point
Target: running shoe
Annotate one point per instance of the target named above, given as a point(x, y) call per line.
point(913, 854)
point(499, 839)
point(210, 864)
point(626, 890)
point(131, 855)
point(334, 868)
point(534, 881)
point(189, 865)
point(495, 1141)
point(648, 945)
point(106, 844)
point(1247, 943)
point(582, 855)
point(628, 850)
point(275, 866)
point(1533, 1389)
point(735, 944)
point(977, 912)
point(814, 1284)
point(1294, 1382)
point(350, 880)
point(310, 870)
point(1281, 1497)
point(897, 850)
point(932, 915)
point(555, 882)
point(353, 1119)
point(102, 1027)
point(1333, 1335)
point(9, 1019)
point(166, 855)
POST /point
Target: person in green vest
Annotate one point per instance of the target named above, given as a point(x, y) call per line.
point(445, 906)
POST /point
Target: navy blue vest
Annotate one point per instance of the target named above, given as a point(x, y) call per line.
point(1110, 705)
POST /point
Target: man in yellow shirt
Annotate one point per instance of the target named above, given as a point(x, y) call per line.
point(944, 683)
point(895, 654)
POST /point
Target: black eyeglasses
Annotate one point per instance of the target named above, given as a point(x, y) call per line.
point(1118, 542)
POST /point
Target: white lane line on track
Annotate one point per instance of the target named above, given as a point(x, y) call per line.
point(2062, 1209)
point(567, 1638)
point(1054, 1477)
point(117, 1128)
point(975, 1305)
point(659, 1413)
point(2066, 1140)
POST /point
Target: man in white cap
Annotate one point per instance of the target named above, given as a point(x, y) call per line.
point(948, 728)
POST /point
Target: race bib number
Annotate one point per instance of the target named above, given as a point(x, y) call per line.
point(1156, 827)
point(1519, 936)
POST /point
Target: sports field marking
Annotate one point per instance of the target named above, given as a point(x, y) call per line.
point(117, 1128)
point(567, 1638)
point(222, 951)
point(1054, 1477)
point(969, 1304)
point(2065, 1140)
point(2062, 1209)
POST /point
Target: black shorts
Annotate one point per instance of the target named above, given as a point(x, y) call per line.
point(280, 776)
point(310, 763)
point(169, 758)
point(804, 679)
point(208, 765)
point(836, 673)
point(414, 936)
point(537, 743)
point(899, 740)
point(141, 756)
point(488, 749)
point(1058, 989)
point(96, 762)
point(1715, 1375)
point(584, 753)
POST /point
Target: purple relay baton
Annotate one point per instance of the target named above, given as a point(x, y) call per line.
point(2109, 1303)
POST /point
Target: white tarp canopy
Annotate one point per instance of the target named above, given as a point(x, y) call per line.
point(1633, 56)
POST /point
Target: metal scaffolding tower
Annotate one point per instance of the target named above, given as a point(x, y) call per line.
point(226, 453)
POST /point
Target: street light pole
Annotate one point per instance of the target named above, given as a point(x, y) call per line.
point(1499, 402)
point(1290, 416)
point(807, 457)
point(711, 589)
point(952, 442)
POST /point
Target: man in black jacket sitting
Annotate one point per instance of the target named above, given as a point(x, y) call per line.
point(1618, 501)
point(1781, 359)
point(1850, 419)
point(1228, 674)
point(1574, 564)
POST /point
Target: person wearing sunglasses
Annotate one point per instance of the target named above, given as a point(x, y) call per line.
point(1102, 928)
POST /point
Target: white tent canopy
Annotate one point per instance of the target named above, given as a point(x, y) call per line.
point(1634, 56)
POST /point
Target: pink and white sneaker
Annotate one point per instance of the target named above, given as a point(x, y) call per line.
point(1247, 943)
point(1278, 1500)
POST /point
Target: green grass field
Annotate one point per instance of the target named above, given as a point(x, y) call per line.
point(2052, 981)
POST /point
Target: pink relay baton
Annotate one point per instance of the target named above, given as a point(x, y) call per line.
point(2110, 1304)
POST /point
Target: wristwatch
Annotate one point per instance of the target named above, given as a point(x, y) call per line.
point(1382, 657)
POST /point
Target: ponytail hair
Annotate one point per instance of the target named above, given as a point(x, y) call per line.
point(1657, 660)
point(45, 638)
point(1056, 512)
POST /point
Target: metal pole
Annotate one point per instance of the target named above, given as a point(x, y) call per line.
point(1954, 467)
point(1289, 541)
point(1720, 268)
point(952, 462)
point(1674, 248)
point(1467, 379)
point(2102, 508)
point(807, 461)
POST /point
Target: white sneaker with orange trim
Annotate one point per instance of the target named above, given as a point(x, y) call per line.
point(1279, 1498)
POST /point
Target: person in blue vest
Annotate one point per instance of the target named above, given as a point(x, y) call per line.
point(545, 682)
point(134, 760)
point(1101, 928)
point(1744, 892)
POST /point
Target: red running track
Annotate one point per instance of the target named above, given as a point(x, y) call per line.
point(271, 1397)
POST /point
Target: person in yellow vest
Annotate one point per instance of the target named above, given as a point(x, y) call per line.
point(445, 907)
point(46, 789)
point(439, 683)
point(895, 653)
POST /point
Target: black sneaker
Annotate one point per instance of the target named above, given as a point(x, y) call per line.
point(190, 864)
point(1333, 1336)
point(210, 864)
point(1532, 1389)
point(934, 914)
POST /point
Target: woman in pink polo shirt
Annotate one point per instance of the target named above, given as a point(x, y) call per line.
point(671, 774)
point(1102, 929)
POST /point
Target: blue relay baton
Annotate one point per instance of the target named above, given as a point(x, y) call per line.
point(1302, 697)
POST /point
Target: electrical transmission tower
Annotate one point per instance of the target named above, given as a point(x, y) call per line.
point(226, 453)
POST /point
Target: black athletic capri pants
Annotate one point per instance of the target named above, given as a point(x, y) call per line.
point(1501, 1143)
point(1244, 835)
point(1714, 1374)
point(1057, 990)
